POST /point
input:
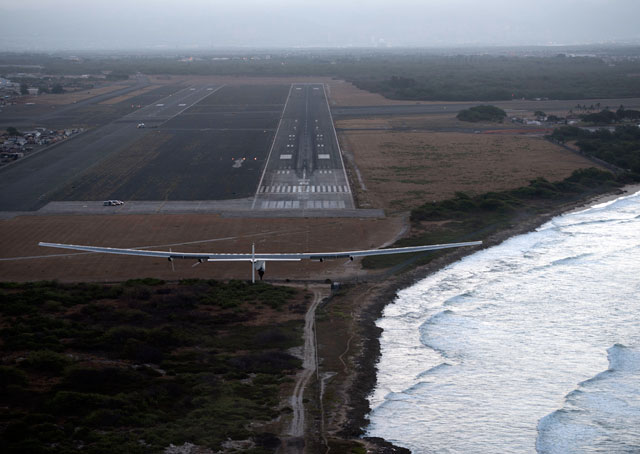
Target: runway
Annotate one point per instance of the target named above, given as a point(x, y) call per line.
point(32, 182)
point(274, 145)
point(304, 170)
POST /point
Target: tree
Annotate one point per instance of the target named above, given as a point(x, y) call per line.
point(57, 88)
point(482, 113)
point(13, 131)
point(603, 117)
point(24, 89)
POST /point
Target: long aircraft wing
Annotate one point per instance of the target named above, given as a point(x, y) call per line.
point(216, 257)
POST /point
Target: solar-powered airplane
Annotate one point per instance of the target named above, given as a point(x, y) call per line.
point(258, 261)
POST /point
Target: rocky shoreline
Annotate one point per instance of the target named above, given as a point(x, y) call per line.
point(364, 374)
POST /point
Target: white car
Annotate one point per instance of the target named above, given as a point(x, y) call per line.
point(108, 203)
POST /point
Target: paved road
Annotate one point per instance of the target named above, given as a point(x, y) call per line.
point(171, 106)
point(305, 170)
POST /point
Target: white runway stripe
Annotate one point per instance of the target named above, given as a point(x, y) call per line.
point(329, 189)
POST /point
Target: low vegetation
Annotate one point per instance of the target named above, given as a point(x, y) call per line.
point(620, 147)
point(133, 368)
point(469, 218)
point(606, 116)
point(493, 78)
point(397, 74)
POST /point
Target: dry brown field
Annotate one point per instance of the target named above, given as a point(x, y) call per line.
point(73, 96)
point(130, 95)
point(403, 170)
point(426, 121)
point(343, 93)
point(19, 239)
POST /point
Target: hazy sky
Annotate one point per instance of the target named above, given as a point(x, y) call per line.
point(170, 24)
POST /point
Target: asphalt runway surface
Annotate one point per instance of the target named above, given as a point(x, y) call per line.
point(198, 143)
point(189, 154)
point(30, 183)
point(305, 169)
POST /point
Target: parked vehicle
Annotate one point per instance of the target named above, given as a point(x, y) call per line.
point(112, 203)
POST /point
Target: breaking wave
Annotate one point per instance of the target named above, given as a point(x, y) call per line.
point(532, 346)
point(601, 415)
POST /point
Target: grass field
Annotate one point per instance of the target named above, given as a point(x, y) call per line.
point(403, 170)
point(74, 96)
point(429, 121)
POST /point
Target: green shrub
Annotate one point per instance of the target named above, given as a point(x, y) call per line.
point(11, 376)
point(77, 403)
point(144, 281)
point(108, 380)
point(266, 363)
point(482, 113)
point(117, 336)
point(105, 418)
point(46, 361)
point(142, 352)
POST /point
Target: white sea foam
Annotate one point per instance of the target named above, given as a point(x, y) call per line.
point(510, 349)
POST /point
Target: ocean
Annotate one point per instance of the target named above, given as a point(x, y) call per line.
point(531, 346)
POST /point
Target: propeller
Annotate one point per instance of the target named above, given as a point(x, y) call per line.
point(173, 268)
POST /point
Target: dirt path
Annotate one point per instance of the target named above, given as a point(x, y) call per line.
point(295, 442)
